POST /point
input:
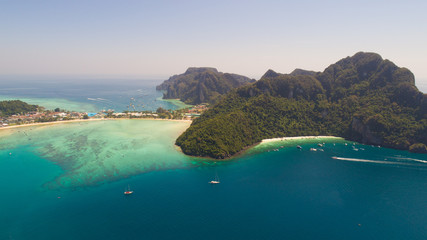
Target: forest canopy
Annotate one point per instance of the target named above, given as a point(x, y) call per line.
point(12, 107)
point(361, 98)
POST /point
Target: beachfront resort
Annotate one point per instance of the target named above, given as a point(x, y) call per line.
point(41, 115)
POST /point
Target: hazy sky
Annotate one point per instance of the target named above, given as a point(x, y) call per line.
point(160, 38)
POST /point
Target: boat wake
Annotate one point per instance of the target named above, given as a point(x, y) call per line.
point(99, 99)
point(370, 161)
point(410, 159)
point(407, 162)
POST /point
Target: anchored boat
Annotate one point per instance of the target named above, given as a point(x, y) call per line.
point(216, 180)
point(128, 191)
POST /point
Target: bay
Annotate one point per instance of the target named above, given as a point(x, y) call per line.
point(270, 192)
point(66, 181)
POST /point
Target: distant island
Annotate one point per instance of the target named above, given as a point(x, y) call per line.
point(201, 85)
point(362, 98)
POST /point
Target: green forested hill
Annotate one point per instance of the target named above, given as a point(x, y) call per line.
point(362, 98)
point(201, 85)
point(15, 106)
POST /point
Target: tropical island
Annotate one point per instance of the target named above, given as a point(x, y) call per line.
point(362, 98)
point(201, 85)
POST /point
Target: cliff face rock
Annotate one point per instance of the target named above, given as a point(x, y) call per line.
point(362, 98)
point(201, 85)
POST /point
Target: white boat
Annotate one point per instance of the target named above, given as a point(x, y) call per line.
point(215, 181)
point(128, 191)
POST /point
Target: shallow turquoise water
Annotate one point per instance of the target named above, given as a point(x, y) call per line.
point(271, 192)
point(95, 152)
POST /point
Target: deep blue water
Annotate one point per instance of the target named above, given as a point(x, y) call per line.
point(285, 194)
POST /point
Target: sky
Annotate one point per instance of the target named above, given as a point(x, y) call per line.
point(156, 39)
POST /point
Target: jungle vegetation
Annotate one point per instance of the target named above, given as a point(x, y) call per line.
point(11, 107)
point(363, 98)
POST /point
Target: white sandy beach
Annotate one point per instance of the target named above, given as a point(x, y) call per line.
point(85, 120)
point(51, 123)
point(5, 131)
point(298, 138)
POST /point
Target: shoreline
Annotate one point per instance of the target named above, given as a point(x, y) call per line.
point(298, 138)
point(247, 149)
point(86, 120)
point(50, 123)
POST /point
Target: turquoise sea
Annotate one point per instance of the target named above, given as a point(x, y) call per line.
point(66, 181)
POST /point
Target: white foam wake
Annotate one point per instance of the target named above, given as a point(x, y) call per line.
point(368, 161)
point(99, 99)
point(410, 159)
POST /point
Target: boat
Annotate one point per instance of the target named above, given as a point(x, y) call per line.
point(215, 181)
point(299, 147)
point(128, 191)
